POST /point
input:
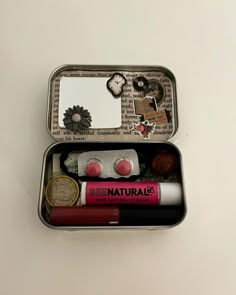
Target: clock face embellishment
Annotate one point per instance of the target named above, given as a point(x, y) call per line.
point(115, 84)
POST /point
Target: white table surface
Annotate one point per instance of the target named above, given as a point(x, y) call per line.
point(196, 40)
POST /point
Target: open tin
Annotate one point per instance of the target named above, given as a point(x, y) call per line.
point(113, 117)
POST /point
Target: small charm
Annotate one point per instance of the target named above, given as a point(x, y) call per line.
point(77, 118)
point(159, 117)
point(145, 105)
point(115, 84)
point(140, 84)
point(155, 90)
point(144, 128)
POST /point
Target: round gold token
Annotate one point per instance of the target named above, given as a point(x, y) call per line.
point(62, 191)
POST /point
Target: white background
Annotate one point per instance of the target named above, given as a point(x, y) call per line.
point(196, 40)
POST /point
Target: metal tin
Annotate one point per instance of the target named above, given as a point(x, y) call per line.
point(89, 140)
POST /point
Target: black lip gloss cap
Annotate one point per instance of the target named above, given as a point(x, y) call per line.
point(162, 215)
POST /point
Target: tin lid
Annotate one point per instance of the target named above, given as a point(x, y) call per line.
point(112, 103)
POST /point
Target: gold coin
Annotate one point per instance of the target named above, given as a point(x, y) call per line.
point(62, 191)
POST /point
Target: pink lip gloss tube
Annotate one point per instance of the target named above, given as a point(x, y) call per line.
point(130, 193)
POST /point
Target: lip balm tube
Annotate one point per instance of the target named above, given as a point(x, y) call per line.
point(92, 215)
point(113, 215)
point(130, 193)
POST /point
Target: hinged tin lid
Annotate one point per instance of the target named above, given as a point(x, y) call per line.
point(112, 103)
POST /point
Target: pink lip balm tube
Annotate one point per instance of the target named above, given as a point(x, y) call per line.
point(131, 193)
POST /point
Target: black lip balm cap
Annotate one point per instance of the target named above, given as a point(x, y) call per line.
point(162, 215)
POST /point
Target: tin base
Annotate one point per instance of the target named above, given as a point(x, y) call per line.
point(158, 162)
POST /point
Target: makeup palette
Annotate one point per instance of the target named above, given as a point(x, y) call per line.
point(112, 165)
